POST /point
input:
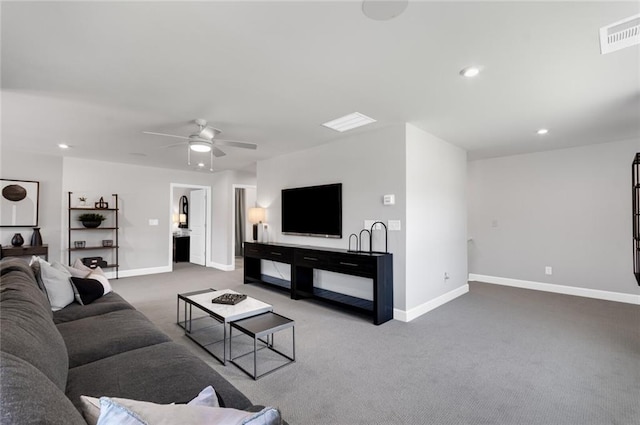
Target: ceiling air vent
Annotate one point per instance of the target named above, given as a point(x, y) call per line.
point(621, 34)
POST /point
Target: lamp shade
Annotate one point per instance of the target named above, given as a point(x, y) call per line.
point(256, 215)
point(183, 218)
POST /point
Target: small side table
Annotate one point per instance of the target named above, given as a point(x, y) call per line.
point(257, 327)
point(20, 251)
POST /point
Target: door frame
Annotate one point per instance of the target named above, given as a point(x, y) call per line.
point(207, 214)
point(232, 242)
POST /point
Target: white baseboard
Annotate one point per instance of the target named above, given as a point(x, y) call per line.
point(407, 316)
point(138, 272)
point(223, 267)
point(558, 289)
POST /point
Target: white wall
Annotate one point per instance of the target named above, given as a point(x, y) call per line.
point(144, 194)
point(369, 165)
point(47, 170)
point(569, 209)
point(436, 219)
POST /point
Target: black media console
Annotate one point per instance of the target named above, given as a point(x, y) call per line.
point(303, 259)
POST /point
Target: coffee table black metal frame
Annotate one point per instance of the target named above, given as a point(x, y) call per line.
point(222, 313)
point(258, 327)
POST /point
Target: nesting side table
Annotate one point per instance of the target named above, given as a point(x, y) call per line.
point(258, 327)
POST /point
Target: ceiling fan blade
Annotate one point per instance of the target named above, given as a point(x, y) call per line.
point(166, 135)
point(173, 145)
point(217, 152)
point(235, 144)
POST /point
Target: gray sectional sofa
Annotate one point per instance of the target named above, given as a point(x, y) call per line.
point(107, 348)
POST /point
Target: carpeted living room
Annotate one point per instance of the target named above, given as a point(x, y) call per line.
point(311, 212)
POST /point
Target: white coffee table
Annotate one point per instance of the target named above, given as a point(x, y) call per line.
point(222, 313)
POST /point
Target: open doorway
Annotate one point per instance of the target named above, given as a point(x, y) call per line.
point(190, 238)
point(244, 198)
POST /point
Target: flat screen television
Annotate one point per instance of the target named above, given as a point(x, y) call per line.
point(313, 211)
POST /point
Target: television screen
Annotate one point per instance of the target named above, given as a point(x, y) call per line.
point(313, 211)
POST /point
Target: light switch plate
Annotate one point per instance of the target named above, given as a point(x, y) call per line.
point(389, 199)
point(153, 222)
point(394, 225)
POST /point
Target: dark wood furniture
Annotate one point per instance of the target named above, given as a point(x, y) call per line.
point(25, 250)
point(181, 248)
point(110, 228)
point(304, 259)
point(635, 199)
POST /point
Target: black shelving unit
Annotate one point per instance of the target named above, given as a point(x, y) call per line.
point(635, 196)
point(112, 218)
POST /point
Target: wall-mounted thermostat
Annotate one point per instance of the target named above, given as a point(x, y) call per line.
point(389, 199)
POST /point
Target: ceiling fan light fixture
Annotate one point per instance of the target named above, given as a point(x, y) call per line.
point(199, 146)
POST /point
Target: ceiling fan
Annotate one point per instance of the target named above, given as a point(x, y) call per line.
point(203, 140)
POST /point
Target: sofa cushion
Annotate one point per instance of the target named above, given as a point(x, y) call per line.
point(116, 411)
point(27, 396)
point(96, 337)
point(105, 304)
point(58, 285)
point(27, 329)
point(162, 373)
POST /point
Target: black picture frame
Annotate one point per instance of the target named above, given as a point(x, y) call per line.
point(19, 203)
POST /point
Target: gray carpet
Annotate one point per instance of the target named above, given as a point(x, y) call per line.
point(496, 355)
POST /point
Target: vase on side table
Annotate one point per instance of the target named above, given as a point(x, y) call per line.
point(17, 240)
point(36, 237)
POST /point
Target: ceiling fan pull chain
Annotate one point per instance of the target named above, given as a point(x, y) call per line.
point(211, 161)
point(188, 156)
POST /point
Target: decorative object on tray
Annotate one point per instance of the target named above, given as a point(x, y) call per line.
point(79, 244)
point(231, 299)
point(91, 220)
point(101, 204)
point(19, 203)
point(36, 237)
point(107, 242)
point(17, 240)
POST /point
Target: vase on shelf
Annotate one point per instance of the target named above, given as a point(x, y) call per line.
point(36, 237)
point(17, 240)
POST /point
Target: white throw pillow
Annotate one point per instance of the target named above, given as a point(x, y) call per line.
point(58, 285)
point(131, 412)
point(91, 406)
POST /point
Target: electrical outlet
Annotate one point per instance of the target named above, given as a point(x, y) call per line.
point(548, 270)
point(153, 222)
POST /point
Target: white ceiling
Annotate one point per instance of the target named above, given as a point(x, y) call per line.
point(95, 75)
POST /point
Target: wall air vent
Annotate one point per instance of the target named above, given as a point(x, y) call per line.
point(621, 34)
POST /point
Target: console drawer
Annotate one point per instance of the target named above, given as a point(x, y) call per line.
point(312, 259)
point(353, 264)
point(283, 254)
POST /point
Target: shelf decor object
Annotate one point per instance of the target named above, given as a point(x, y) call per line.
point(635, 197)
point(91, 220)
point(98, 237)
point(101, 205)
point(19, 203)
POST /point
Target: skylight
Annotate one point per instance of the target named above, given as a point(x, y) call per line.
point(349, 122)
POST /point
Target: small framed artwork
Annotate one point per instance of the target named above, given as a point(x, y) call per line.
point(19, 203)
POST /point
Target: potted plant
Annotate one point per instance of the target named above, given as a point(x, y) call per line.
point(91, 220)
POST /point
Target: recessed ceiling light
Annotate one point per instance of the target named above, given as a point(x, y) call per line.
point(200, 164)
point(63, 146)
point(349, 122)
point(470, 71)
point(542, 131)
point(383, 10)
